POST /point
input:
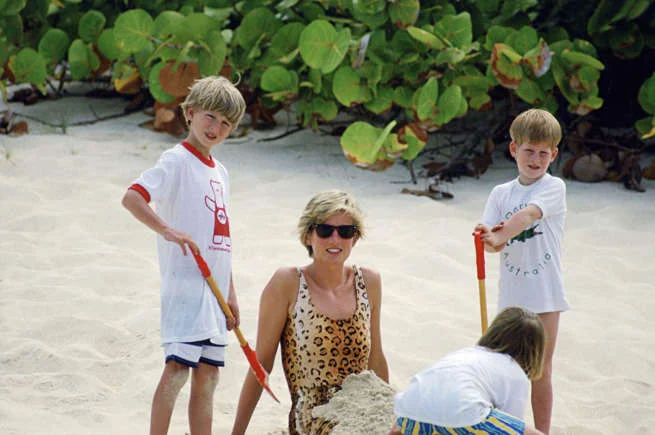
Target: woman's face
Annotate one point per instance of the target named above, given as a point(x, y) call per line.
point(334, 247)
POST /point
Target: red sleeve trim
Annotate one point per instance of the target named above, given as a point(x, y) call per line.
point(142, 190)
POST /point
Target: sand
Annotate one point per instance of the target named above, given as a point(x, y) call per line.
point(79, 298)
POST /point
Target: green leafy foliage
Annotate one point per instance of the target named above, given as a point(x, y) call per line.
point(28, 67)
point(646, 98)
point(408, 65)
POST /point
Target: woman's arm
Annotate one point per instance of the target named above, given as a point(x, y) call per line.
point(276, 299)
point(377, 361)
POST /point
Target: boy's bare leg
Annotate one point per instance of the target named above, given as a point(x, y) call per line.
point(170, 384)
point(204, 379)
point(542, 389)
point(395, 430)
point(530, 431)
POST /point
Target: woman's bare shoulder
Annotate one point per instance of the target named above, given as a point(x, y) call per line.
point(370, 275)
point(283, 281)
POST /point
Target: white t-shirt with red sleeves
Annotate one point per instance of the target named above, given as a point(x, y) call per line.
point(191, 194)
point(460, 389)
point(530, 263)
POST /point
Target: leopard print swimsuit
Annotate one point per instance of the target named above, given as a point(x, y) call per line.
point(319, 352)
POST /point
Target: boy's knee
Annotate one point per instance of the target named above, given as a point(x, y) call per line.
point(206, 374)
point(176, 374)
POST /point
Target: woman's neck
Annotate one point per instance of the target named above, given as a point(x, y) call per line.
point(333, 277)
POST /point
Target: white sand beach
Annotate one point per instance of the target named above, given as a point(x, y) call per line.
point(79, 281)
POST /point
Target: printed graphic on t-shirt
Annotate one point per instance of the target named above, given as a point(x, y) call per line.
point(519, 265)
point(216, 203)
point(525, 235)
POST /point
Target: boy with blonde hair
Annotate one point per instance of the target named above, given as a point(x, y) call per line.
point(190, 190)
point(524, 221)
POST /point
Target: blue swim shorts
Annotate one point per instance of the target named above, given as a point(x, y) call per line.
point(496, 423)
point(190, 354)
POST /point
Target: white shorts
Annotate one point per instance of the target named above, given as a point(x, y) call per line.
point(190, 354)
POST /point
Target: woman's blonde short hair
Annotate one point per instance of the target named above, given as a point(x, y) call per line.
point(536, 126)
point(519, 333)
point(322, 206)
point(218, 94)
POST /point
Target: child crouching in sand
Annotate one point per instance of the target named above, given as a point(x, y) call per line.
point(481, 389)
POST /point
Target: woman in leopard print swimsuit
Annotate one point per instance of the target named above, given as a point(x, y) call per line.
point(325, 316)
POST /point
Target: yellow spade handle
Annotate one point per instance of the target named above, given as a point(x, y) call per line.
point(483, 305)
point(225, 307)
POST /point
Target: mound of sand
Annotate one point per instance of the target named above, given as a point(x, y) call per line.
point(363, 406)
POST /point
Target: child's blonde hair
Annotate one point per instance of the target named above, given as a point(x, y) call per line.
point(536, 126)
point(520, 334)
point(218, 94)
point(322, 206)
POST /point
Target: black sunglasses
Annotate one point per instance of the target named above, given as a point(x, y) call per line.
point(345, 231)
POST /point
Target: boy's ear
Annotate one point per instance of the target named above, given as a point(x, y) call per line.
point(554, 154)
point(512, 148)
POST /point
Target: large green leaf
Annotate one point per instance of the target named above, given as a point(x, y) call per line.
point(348, 88)
point(28, 67)
point(317, 109)
point(281, 83)
point(363, 145)
point(322, 47)
point(646, 96)
point(426, 104)
point(497, 35)
point(212, 55)
point(530, 92)
point(107, 45)
point(559, 74)
point(586, 105)
point(166, 23)
point(402, 96)
point(374, 20)
point(82, 60)
point(451, 56)
point(577, 58)
point(154, 85)
point(54, 45)
point(258, 23)
point(11, 7)
point(426, 38)
point(284, 45)
point(415, 144)
point(133, 30)
point(450, 104)
point(369, 7)
point(505, 66)
point(456, 29)
point(601, 18)
point(627, 41)
point(646, 127)
point(382, 102)
point(91, 25)
point(12, 27)
point(200, 25)
point(403, 13)
point(523, 40)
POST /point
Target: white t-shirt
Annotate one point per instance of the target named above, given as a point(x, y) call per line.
point(461, 389)
point(530, 264)
point(191, 194)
